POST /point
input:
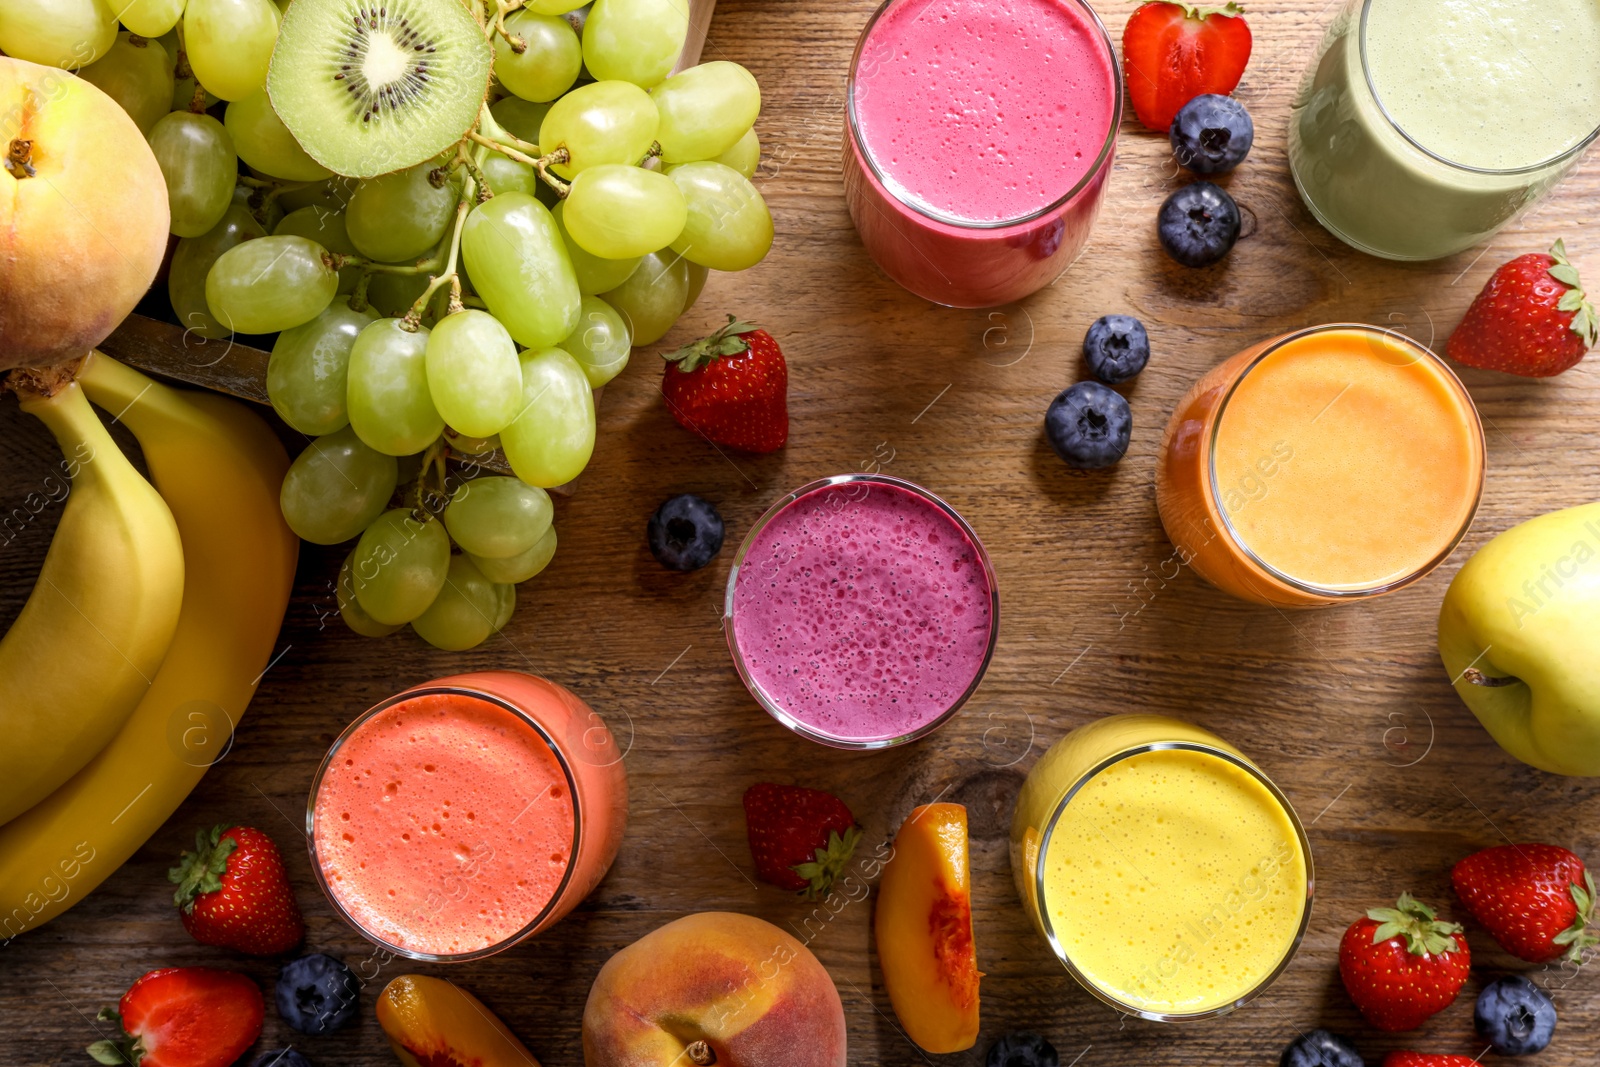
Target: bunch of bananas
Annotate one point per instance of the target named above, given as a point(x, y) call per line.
point(152, 621)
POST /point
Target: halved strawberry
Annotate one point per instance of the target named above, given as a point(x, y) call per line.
point(183, 1017)
point(1173, 52)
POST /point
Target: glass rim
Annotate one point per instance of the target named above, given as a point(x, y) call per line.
point(771, 706)
point(1044, 850)
point(1366, 71)
point(1448, 376)
point(361, 720)
point(858, 142)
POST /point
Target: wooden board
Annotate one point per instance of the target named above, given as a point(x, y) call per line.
point(1347, 709)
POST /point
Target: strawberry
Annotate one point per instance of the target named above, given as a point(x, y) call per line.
point(183, 1017)
point(233, 892)
point(1401, 965)
point(1172, 53)
point(731, 388)
point(1531, 318)
point(1536, 900)
point(1427, 1059)
point(801, 838)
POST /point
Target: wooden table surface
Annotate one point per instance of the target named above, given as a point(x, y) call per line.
point(1348, 708)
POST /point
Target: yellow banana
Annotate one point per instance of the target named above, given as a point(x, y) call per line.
point(93, 632)
point(219, 468)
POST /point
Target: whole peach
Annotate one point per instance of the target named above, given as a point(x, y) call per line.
point(714, 988)
point(83, 215)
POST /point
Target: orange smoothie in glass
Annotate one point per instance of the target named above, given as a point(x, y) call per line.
point(1333, 463)
point(460, 817)
point(1167, 873)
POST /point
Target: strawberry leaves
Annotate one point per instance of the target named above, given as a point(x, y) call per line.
point(724, 342)
point(200, 872)
point(1582, 933)
point(830, 863)
point(1417, 923)
point(1586, 324)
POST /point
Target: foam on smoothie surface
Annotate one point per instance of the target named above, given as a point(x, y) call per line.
point(864, 613)
point(444, 824)
point(1175, 881)
point(984, 110)
point(1492, 84)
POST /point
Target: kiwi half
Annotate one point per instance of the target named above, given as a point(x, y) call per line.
point(373, 86)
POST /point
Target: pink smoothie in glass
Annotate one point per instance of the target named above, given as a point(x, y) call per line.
point(863, 611)
point(444, 824)
point(981, 135)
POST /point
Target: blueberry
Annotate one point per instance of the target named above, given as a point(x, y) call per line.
point(1320, 1049)
point(1198, 224)
point(280, 1057)
point(317, 994)
point(685, 533)
point(1088, 425)
point(1212, 134)
point(1022, 1049)
point(1514, 1016)
point(1116, 348)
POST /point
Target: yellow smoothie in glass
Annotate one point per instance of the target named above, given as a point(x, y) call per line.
point(1164, 869)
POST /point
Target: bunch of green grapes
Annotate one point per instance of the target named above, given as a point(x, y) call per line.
point(470, 303)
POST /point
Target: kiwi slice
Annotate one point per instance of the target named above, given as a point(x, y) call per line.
point(373, 86)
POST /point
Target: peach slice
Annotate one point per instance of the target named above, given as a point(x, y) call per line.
point(433, 1023)
point(924, 930)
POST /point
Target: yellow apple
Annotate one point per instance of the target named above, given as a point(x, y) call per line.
point(1519, 634)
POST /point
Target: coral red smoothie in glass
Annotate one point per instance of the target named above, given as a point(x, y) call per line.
point(981, 135)
point(861, 611)
point(452, 821)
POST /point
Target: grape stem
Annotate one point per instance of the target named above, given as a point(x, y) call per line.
point(540, 163)
point(497, 25)
point(413, 318)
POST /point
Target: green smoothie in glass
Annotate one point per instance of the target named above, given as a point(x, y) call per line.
point(1426, 125)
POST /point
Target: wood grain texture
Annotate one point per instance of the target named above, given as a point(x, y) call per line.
point(1346, 708)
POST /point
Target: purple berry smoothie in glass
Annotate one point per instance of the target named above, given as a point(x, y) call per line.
point(861, 611)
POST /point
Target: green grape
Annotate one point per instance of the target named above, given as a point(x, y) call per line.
point(393, 294)
point(331, 195)
point(508, 602)
point(520, 118)
point(601, 343)
point(336, 488)
point(137, 76)
point(350, 609)
point(729, 226)
point(401, 216)
point(463, 445)
point(265, 143)
point(637, 41)
point(697, 284)
point(548, 65)
point(387, 389)
point(705, 110)
point(498, 517)
point(473, 374)
point(197, 160)
point(57, 33)
point(552, 438)
point(463, 615)
point(150, 18)
point(603, 122)
point(516, 569)
point(520, 268)
point(229, 44)
point(616, 211)
point(191, 262)
point(270, 284)
point(745, 155)
point(653, 296)
point(306, 373)
point(506, 175)
point(555, 7)
point(327, 229)
point(399, 566)
point(595, 275)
